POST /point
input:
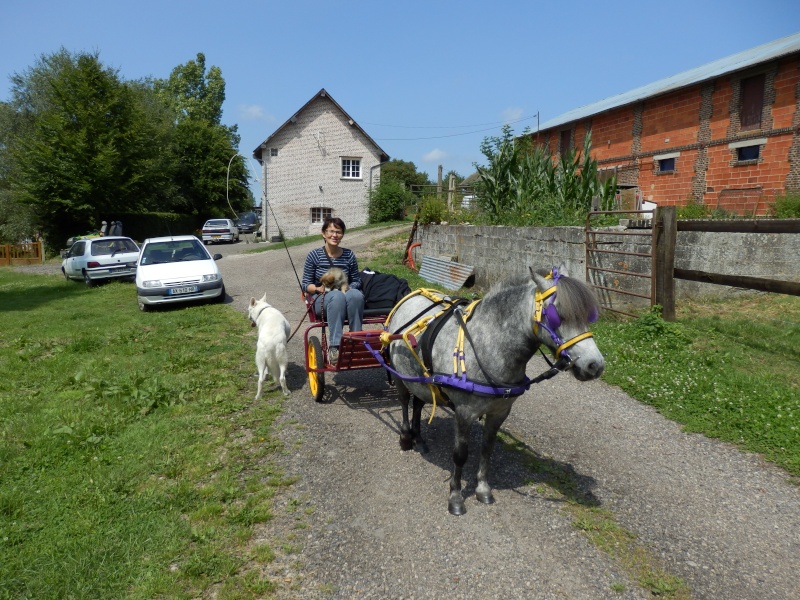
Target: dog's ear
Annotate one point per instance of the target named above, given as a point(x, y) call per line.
point(264, 297)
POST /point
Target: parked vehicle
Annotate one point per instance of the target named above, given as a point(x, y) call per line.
point(177, 269)
point(220, 230)
point(248, 222)
point(100, 258)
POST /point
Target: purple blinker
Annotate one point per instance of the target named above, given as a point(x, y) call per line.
point(553, 319)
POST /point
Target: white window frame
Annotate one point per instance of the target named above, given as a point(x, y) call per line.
point(351, 164)
point(320, 213)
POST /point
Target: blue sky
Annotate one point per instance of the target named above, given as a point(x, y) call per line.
point(427, 80)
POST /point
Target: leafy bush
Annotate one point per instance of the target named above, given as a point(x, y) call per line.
point(432, 210)
point(786, 207)
point(388, 201)
point(693, 210)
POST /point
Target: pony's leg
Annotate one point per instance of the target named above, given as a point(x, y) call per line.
point(491, 425)
point(455, 503)
point(406, 437)
point(416, 421)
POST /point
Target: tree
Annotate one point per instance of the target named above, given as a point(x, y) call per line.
point(191, 93)
point(404, 172)
point(82, 145)
point(203, 147)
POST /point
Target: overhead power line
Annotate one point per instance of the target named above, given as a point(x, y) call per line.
point(434, 137)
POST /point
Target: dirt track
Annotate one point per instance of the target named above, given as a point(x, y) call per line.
point(375, 521)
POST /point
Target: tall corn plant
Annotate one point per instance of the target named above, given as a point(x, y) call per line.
point(524, 183)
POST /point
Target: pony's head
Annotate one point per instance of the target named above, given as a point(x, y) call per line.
point(564, 309)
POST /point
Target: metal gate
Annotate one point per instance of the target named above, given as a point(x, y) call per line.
point(616, 273)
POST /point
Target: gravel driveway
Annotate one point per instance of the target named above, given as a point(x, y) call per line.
point(366, 520)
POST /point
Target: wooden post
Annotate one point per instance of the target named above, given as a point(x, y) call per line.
point(665, 234)
point(439, 184)
point(451, 190)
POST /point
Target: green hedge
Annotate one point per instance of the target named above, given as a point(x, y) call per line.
point(141, 226)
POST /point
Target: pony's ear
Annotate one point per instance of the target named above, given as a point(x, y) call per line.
point(562, 269)
point(541, 282)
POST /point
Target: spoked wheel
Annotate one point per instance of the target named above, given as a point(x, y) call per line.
point(316, 360)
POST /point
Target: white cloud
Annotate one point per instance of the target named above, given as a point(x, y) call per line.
point(434, 155)
point(253, 112)
point(512, 114)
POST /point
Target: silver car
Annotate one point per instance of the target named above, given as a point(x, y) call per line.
point(100, 259)
point(177, 269)
point(220, 230)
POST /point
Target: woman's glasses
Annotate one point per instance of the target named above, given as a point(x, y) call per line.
point(334, 233)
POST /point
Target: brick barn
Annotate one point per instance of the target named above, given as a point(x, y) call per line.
point(726, 134)
point(319, 163)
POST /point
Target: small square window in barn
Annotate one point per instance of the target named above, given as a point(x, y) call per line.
point(748, 153)
point(273, 152)
point(666, 165)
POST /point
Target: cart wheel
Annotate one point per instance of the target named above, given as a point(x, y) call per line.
point(316, 381)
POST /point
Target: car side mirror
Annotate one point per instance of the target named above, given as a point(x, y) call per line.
point(64, 253)
point(217, 256)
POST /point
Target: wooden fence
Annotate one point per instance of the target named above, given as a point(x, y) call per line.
point(30, 253)
point(666, 227)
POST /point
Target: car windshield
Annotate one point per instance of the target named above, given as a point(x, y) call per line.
point(111, 247)
point(248, 218)
point(173, 251)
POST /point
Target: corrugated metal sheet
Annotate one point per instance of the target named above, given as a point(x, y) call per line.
point(447, 273)
point(737, 62)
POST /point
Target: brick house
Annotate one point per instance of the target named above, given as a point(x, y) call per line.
point(319, 163)
point(726, 134)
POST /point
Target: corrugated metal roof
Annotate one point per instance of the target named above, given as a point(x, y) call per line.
point(737, 62)
point(451, 275)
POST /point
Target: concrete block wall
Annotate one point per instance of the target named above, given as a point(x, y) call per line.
point(501, 253)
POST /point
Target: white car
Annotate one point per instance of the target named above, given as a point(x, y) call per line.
point(101, 258)
point(177, 269)
point(220, 230)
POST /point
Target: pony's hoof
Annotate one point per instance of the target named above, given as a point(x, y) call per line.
point(485, 498)
point(405, 444)
point(287, 393)
point(456, 508)
point(421, 447)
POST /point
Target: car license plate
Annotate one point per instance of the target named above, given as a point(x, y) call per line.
point(189, 289)
point(214, 237)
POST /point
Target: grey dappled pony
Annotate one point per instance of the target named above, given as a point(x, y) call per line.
point(505, 329)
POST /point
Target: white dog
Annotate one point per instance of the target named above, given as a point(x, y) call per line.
point(273, 333)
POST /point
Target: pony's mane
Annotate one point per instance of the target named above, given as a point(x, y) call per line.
point(575, 299)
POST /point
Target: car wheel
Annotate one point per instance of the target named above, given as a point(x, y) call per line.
point(65, 273)
point(87, 280)
point(221, 298)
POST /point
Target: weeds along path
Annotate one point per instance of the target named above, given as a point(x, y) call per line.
point(683, 516)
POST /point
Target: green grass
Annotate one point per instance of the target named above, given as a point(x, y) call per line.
point(133, 461)
point(727, 369)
